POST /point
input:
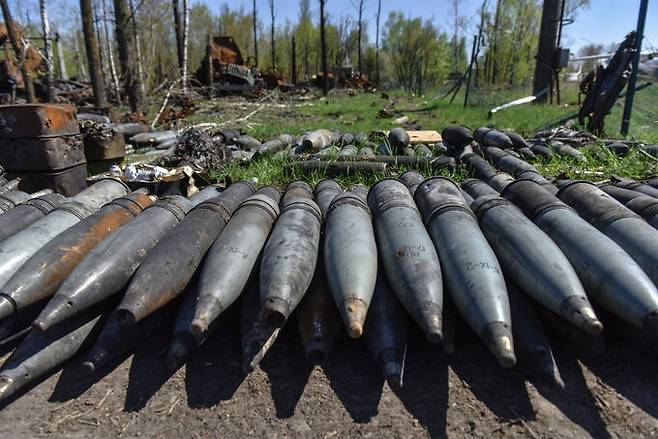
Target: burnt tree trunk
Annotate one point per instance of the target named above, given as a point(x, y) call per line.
point(93, 56)
point(323, 50)
point(255, 23)
point(273, 38)
point(546, 49)
point(179, 34)
point(359, 33)
point(379, 11)
point(18, 50)
point(126, 45)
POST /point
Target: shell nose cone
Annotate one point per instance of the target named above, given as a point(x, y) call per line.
point(497, 336)
point(578, 311)
point(275, 312)
point(354, 314)
point(430, 320)
point(55, 311)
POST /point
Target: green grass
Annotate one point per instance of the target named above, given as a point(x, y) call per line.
point(360, 113)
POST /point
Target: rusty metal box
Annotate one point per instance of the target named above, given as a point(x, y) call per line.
point(37, 120)
point(67, 182)
point(104, 146)
point(41, 154)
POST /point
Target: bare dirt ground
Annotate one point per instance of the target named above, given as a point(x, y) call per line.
point(464, 395)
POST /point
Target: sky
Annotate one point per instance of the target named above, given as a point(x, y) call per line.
point(603, 22)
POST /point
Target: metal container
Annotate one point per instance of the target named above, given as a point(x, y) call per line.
point(67, 182)
point(37, 120)
point(42, 154)
point(110, 145)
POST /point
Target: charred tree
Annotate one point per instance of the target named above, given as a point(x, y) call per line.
point(18, 51)
point(255, 23)
point(126, 45)
point(379, 11)
point(138, 45)
point(178, 27)
point(186, 33)
point(273, 37)
point(546, 50)
point(93, 56)
point(323, 50)
point(293, 59)
point(359, 34)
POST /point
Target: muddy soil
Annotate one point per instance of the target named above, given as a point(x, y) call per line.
point(464, 395)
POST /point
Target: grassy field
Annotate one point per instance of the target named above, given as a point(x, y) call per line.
point(275, 114)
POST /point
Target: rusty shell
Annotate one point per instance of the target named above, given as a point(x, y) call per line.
point(109, 266)
point(41, 275)
point(168, 268)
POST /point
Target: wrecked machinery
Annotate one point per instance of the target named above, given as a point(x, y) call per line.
point(223, 69)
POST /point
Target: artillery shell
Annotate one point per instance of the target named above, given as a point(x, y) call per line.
point(479, 167)
point(638, 186)
point(610, 276)
point(231, 259)
point(317, 140)
point(646, 207)
point(564, 150)
point(408, 256)
point(347, 139)
point(491, 137)
point(508, 162)
point(325, 191)
point(17, 249)
point(527, 153)
point(534, 261)
point(349, 150)
point(43, 352)
point(366, 151)
point(338, 168)
point(386, 333)
point(349, 241)
point(478, 188)
point(620, 194)
point(27, 213)
point(110, 265)
point(289, 258)
point(517, 140)
point(457, 135)
point(11, 199)
point(539, 179)
point(619, 223)
point(542, 151)
point(41, 275)
point(9, 185)
point(472, 272)
point(399, 139)
point(167, 269)
point(412, 179)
